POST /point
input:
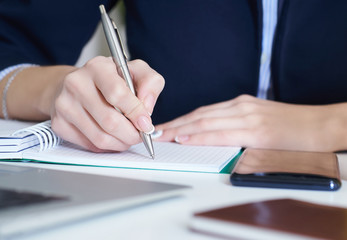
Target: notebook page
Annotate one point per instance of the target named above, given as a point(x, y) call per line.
point(168, 156)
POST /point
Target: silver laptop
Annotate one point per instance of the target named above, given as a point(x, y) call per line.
point(33, 198)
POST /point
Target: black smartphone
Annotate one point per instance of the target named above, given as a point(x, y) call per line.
point(287, 169)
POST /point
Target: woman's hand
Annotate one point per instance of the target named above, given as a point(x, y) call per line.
point(84, 109)
point(251, 122)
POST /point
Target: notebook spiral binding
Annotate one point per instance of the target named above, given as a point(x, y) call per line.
point(44, 133)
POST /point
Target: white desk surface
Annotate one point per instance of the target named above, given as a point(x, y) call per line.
point(169, 219)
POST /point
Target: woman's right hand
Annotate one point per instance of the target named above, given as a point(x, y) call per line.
point(84, 110)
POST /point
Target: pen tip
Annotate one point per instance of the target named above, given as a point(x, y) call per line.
point(102, 9)
point(152, 155)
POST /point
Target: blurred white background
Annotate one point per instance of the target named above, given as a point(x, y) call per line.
point(97, 45)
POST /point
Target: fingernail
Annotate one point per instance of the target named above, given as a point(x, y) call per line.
point(157, 134)
point(145, 125)
point(181, 139)
point(149, 103)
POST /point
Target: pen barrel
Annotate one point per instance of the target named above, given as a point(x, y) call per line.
point(115, 44)
point(125, 74)
point(116, 49)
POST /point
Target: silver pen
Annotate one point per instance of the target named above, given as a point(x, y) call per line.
point(120, 59)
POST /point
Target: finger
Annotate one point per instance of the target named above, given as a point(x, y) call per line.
point(219, 111)
point(203, 125)
point(237, 107)
point(116, 93)
point(105, 115)
point(238, 137)
point(70, 133)
point(97, 136)
point(72, 112)
point(210, 111)
point(148, 83)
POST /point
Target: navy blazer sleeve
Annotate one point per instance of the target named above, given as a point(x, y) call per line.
point(45, 32)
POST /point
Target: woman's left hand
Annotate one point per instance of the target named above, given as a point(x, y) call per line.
point(251, 122)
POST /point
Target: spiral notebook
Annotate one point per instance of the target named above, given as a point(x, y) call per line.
point(37, 142)
point(16, 137)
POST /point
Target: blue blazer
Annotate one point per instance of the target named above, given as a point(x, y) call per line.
point(208, 51)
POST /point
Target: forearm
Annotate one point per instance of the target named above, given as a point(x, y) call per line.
point(31, 93)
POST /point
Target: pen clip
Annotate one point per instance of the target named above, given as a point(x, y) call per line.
point(119, 38)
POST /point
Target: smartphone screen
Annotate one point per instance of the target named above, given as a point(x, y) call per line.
point(287, 169)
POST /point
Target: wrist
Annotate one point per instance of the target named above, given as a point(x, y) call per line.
point(33, 90)
point(51, 86)
point(336, 127)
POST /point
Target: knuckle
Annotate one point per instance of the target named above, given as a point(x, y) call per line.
point(122, 147)
point(203, 124)
point(195, 112)
point(74, 85)
point(134, 110)
point(153, 76)
point(95, 61)
point(105, 142)
point(102, 141)
point(244, 97)
point(62, 106)
point(72, 81)
point(158, 80)
point(246, 107)
point(139, 62)
point(189, 117)
point(119, 91)
point(154, 82)
point(100, 66)
point(55, 125)
point(116, 93)
point(113, 126)
point(111, 98)
point(171, 133)
point(109, 123)
point(90, 147)
point(255, 121)
point(133, 139)
point(201, 109)
point(224, 137)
